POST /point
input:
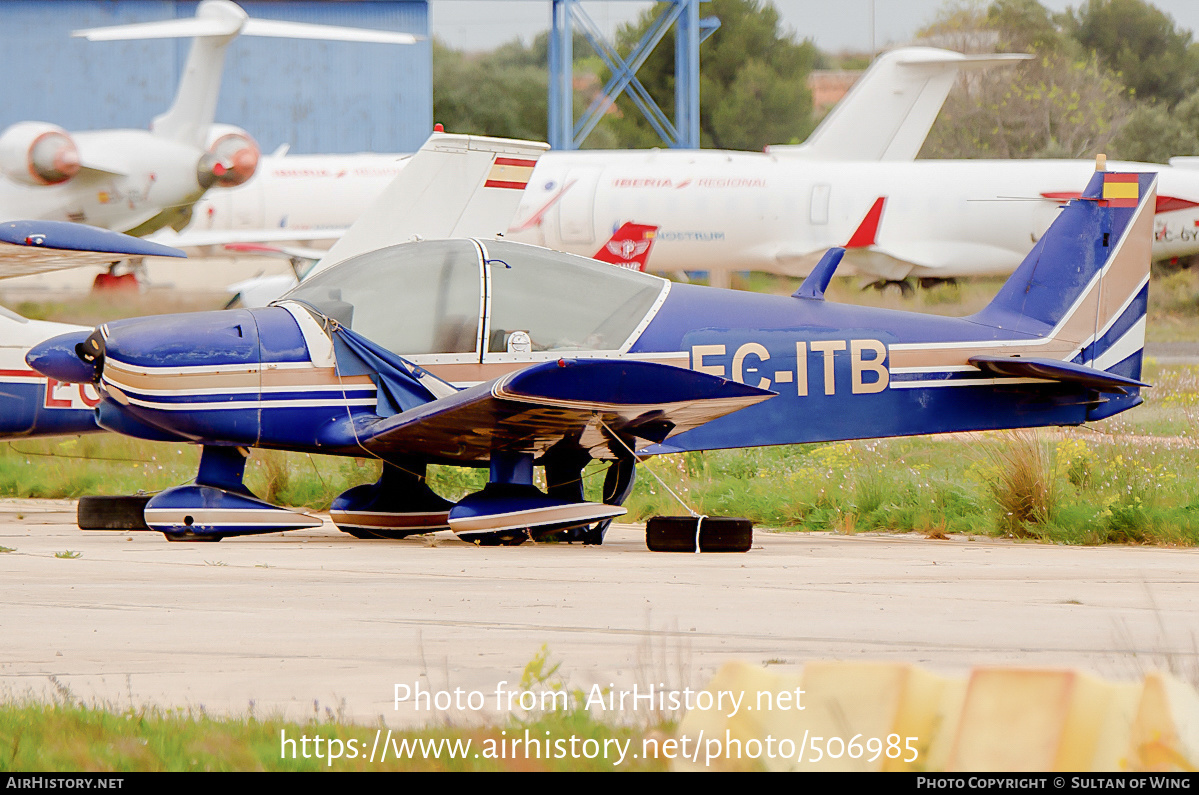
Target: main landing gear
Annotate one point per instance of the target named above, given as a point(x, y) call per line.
point(508, 511)
point(398, 505)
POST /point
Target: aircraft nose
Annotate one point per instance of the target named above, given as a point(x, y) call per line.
point(73, 358)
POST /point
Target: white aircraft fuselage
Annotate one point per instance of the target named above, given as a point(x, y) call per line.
point(733, 211)
point(301, 192)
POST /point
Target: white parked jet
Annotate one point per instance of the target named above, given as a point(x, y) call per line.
point(138, 180)
point(318, 196)
point(854, 183)
point(732, 211)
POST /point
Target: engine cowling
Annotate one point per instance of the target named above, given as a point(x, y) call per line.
point(231, 157)
point(38, 153)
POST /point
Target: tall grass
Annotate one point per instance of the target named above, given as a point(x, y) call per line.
point(1023, 483)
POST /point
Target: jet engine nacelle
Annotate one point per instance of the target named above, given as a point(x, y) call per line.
point(38, 153)
point(231, 157)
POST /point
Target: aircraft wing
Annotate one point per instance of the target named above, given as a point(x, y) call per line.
point(204, 238)
point(582, 402)
point(96, 157)
point(454, 186)
point(927, 257)
point(28, 247)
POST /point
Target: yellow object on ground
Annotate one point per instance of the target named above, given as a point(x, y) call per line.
point(895, 716)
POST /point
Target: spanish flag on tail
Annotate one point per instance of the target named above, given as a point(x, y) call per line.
point(1121, 190)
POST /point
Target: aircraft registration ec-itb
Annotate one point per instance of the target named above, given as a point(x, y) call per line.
point(489, 353)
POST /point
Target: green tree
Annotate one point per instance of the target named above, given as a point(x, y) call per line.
point(1154, 134)
point(1062, 103)
point(753, 80)
point(1027, 26)
point(1154, 59)
point(500, 93)
point(504, 92)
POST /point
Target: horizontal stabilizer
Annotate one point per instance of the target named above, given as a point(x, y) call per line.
point(1056, 370)
point(233, 22)
point(228, 238)
point(817, 281)
point(578, 402)
point(278, 252)
point(215, 25)
point(300, 30)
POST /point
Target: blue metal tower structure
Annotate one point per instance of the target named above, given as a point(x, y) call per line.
point(690, 30)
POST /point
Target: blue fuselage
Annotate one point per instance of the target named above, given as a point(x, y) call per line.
point(247, 377)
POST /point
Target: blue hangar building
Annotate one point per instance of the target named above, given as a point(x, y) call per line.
point(316, 96)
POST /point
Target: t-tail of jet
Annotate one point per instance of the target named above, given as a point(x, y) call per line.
point(216, 24)
point(890, 109)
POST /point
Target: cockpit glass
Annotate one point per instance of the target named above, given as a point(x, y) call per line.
point(543, 300)
point(412, 299)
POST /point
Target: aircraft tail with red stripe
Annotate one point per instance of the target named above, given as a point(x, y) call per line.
point(629, 246)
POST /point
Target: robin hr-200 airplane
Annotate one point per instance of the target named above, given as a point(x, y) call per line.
point(487, 353)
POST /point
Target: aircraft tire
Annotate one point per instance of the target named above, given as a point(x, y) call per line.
point(112, 513)
point(191, 539)
point(716, 534)
point(501, 538)
point(365, 535)
point(376, 535)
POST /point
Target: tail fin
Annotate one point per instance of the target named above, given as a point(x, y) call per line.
point(1084, 288)
point(215, 25)
point(629, 246)
point(889, 111)
point(454, 186)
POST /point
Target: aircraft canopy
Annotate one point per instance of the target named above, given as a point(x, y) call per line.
point(473, 298)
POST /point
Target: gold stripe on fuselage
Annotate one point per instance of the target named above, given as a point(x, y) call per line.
point(248, 378)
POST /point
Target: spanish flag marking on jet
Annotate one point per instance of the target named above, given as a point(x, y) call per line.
point(510, 172)
point(1121, 190)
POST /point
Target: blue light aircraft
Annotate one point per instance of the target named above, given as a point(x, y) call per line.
point(487, 353)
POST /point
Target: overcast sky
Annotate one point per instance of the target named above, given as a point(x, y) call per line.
point(835, 26)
